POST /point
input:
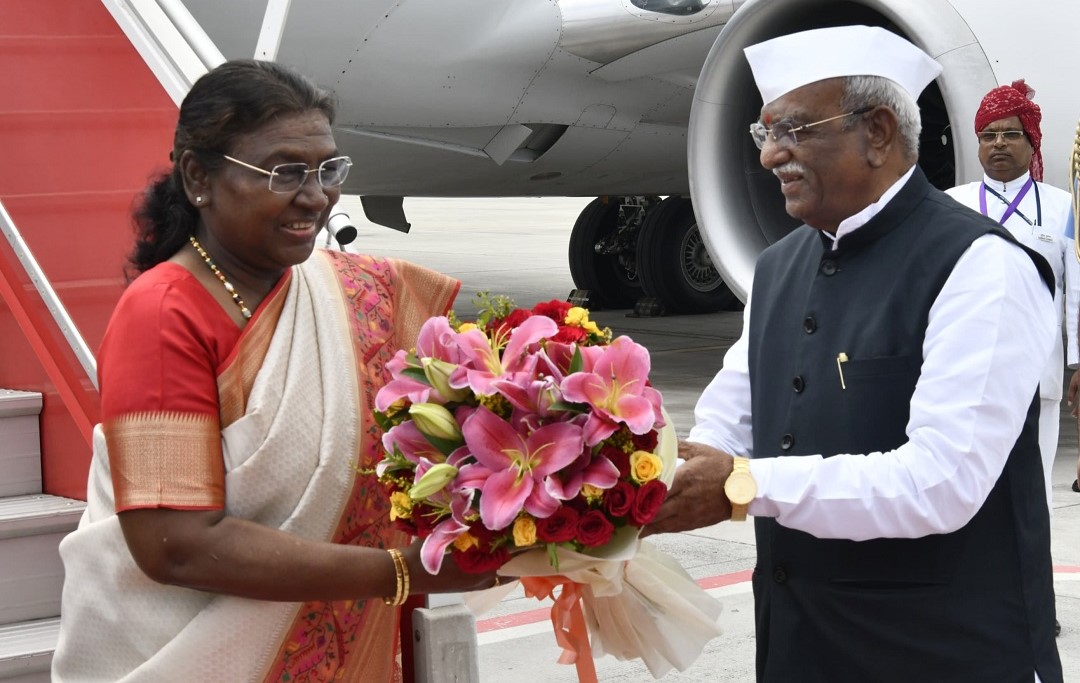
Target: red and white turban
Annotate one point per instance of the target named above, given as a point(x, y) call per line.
point(1015, 100)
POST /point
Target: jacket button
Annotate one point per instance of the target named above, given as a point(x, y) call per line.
point(809, 324)
point(798, 384)
point(828, 268)
point(779, 575)
point(787, 441)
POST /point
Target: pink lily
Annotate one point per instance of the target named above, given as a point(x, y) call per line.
point(617, 390)
point(517, 465)
point(481, 363)
point(400, 386)
point(535, 397)
point(437, 339)
point(406, 437)
point(445, 533)
point(596, 470)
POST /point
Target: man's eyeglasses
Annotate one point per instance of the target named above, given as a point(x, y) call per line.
point(286, 178)
point(989, 137)
point(783, 134)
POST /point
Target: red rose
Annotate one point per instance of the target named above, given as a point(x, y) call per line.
point(619, 498)
point(424, 518)
point(594, 529)
point(646, 442)
point(512, 320)
point(554, 309)
point(568, 334)
point(405, 526)
point(559, 527)
point(477, 561)
point(619, 458)
point(649, 498)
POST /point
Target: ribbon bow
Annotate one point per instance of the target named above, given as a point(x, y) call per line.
point(568, 619)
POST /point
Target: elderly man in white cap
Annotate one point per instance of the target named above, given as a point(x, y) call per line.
point(882, 402)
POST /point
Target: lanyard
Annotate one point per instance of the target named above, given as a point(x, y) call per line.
point(1014, 204)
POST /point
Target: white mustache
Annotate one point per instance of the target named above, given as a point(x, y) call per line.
point(791, 167)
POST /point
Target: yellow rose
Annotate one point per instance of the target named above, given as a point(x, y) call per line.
point(592, 493)
point(466, 541)
point(465, 327)
point(645, 466)
point(524, 531)
point(590, 327)
point(400, 505)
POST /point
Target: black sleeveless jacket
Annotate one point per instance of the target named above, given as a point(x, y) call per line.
point(974, 605)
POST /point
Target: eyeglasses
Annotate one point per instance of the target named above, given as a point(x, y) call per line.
point(783, 134)
point(286, 178)
point(989, 137)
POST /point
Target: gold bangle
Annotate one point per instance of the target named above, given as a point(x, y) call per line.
point(401, 573)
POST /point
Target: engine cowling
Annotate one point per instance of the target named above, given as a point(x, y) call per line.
point(738, 204)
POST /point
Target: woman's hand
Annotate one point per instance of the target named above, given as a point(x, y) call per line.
point(450, 579)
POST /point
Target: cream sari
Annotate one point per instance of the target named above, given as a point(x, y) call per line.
point(296, 414)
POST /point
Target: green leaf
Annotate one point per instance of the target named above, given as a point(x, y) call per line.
point(553, 555)
point(568, 407)
point(417, 374)
point(577, 362)
point(445, 446)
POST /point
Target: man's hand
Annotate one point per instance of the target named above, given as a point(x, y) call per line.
point(1074, 387)
point(696, 498)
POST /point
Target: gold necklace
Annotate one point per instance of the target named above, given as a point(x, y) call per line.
point(221, 276)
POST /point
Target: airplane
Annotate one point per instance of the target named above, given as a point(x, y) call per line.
point(641, 105)
point(600, 98)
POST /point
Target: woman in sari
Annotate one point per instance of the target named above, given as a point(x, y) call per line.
point(233, 530)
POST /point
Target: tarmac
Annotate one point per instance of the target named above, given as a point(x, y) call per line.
point(518, 247)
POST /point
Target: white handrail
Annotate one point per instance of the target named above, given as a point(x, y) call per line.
point(169, 40)
point(48, 294)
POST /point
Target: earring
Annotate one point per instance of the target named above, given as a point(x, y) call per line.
point(198, 200)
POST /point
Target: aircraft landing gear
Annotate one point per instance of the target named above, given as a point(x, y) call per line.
point(674, 265)
point(624, 248)
point(603, 251)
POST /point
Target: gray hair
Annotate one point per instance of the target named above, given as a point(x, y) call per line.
point(873, 91)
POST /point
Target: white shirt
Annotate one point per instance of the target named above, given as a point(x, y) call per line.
point(987, 338)
point(1051, 213)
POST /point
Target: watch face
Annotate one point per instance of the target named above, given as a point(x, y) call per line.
point(740, 488)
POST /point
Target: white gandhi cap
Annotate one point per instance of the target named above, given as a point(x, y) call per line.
point(789, 62)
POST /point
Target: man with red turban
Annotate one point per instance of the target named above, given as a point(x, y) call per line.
point(1038, 216)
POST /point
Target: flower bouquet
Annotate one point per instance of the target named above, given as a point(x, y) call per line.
point(531, 441)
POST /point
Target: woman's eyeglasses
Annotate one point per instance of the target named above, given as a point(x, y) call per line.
point(989, 137)
point(286, 178)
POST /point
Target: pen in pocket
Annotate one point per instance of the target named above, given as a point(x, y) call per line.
point(840, 360)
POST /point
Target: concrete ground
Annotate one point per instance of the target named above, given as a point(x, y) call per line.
point(519, 247)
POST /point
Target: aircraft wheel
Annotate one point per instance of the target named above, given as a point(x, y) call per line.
point(674, 264)
point(610, 274)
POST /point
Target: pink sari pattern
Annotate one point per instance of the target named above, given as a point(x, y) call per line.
point(359, 640)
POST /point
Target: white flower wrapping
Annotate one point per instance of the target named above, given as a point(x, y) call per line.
point(638, 602)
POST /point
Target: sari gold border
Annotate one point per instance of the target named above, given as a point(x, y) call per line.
point(176, 456)
point(420, 293)
point(238, 376)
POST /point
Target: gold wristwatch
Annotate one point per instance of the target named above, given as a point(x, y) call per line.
point(740, 488)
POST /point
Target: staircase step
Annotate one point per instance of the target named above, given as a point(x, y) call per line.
point(31, 573)
point(38, 514)
point(26, 650)
point(20, 443)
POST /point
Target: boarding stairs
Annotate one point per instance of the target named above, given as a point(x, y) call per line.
point(83, 122)
point(32, 525)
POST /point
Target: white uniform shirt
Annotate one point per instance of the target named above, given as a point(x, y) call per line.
point(1050, 215)
point(987, 339)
